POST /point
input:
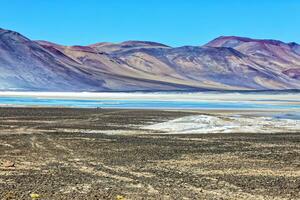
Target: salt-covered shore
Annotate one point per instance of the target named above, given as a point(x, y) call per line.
point(213, 120)
point(226, 124)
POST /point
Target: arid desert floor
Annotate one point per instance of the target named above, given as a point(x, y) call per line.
point(64, 153)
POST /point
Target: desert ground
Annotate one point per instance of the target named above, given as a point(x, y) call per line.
point(66, 153)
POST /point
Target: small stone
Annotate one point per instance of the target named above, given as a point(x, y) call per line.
point(120, 197)
point(8, 164)
point(34, 196)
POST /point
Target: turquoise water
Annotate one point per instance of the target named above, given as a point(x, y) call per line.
point(145, 104)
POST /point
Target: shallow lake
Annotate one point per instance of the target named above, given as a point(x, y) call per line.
point(152, 103)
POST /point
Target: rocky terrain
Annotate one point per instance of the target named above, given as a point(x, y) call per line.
point(60, 153)
point(226, 63)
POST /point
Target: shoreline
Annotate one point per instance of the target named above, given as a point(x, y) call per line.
point(184, 110)
point(228, 96)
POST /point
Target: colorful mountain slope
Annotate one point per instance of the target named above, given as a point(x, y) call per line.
point(226, 63)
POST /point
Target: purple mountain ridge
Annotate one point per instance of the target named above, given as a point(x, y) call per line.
point(225, 63)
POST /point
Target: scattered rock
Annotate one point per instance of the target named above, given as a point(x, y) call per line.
point(9, 196)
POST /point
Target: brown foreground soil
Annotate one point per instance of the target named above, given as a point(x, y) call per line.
point(103, 154)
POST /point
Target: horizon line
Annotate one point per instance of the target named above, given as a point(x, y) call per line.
point(153, 41)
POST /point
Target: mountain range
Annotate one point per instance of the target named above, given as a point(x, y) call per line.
point(225, 63)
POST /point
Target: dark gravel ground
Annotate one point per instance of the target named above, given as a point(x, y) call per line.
point(61, 153)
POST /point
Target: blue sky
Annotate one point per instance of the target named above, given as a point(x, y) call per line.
point(173, 22)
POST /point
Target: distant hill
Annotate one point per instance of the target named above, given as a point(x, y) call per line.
point(226, 63)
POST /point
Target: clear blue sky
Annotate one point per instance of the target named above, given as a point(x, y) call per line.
point(173, 22)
